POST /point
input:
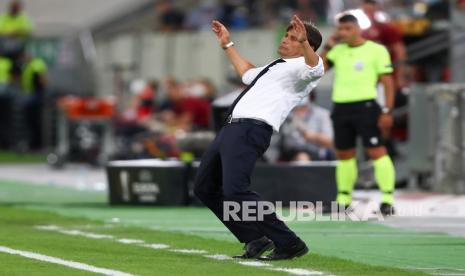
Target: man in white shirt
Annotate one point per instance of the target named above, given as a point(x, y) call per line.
point(272, 92)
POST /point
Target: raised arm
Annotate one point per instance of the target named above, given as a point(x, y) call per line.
point(311, 58)
point(241, 65)
point(330, 43)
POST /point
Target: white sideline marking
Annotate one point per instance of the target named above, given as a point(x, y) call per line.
point(434, 268)
point(47, 227)
point(189, 251)
point(73, 232)
point(297, 271)
point(156, 245)
point(76, 265)
point(219, 257)
point(85, 234)
point(254, 263)
point(129, 241)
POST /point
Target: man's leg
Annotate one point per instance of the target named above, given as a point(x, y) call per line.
point(372, 138)
point(208, 188)
point(346, 175)
point(384, 173)
point(346, 170)
point(242, 146)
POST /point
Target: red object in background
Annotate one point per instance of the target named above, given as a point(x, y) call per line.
point(87, 108)
point(146, 105)
point(198, 109)
point(384, 33)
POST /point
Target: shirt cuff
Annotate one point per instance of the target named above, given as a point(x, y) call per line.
point(314, 72)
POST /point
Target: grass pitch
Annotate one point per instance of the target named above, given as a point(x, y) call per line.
point(184, 239)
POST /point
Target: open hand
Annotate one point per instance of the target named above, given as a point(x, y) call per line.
point(385, 122)
point(221, 32)
point(298, 28)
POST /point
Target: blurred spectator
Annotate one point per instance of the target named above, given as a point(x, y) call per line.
point(201, 16)
point(15, 28)
point(33, 84)
point(236, 14)
point(5, 72)
point(15, 22)
point(202, 89)
point(182, 111)
point(142, 104)
point(307, 134)
point(33, 76)
point(170, 18)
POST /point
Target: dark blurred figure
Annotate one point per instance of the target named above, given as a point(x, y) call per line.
point(33, 85)
point(235, 15)
point(170, 18)
point(6, 67)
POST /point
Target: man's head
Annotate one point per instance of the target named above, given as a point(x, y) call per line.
point(15, 7)
point(370, 7)
point(348, 29)
point(290, 47)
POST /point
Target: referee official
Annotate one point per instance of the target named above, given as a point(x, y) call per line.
point(359, 65)
point(272, 92)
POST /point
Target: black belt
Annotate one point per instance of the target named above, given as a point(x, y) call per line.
point(248, 120)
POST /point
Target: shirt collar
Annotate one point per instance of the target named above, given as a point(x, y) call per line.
point(296, 59)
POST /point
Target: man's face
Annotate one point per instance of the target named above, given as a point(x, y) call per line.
point(370, 9)
point(348, 32)
point(15, 8)
point(290, 46)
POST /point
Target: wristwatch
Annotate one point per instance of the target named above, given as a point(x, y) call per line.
point(386, 110)
point(229, 44)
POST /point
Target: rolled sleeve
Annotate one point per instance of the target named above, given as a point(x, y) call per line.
point(250, 75)
point(310, 73)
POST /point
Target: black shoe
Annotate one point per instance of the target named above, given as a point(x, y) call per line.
point(287, 253)
point(386, 209)
point(256, 248)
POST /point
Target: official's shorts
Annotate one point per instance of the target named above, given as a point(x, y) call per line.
point(356, 119)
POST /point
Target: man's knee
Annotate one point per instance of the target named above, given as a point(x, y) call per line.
point(232, 192)
point(376, 153)
point(345, 154)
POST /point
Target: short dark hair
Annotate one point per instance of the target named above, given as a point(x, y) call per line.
point(313, 35)
point(346, 18)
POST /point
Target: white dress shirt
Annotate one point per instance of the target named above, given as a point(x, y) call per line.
point(278, 91)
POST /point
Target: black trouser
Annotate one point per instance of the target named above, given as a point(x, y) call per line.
point(224, 175)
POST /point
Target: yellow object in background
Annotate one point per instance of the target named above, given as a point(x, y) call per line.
point(413, 26)
point(5, 69)
point(15, 25)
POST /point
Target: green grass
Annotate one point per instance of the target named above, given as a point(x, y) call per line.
point(341, 248)
point(20, 234)
point(12, 157)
